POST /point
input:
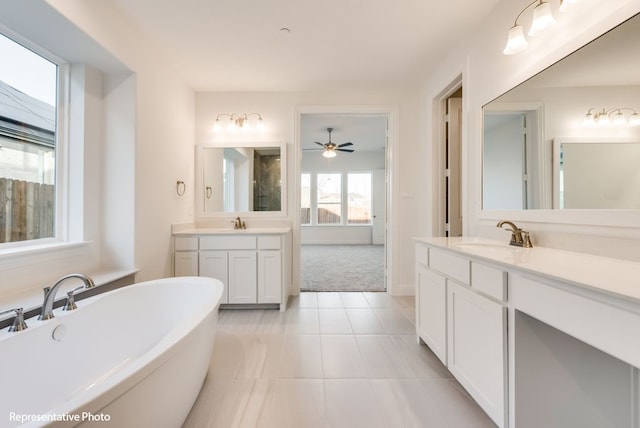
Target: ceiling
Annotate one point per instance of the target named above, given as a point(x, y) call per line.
point(367, 133)
point(332, 44)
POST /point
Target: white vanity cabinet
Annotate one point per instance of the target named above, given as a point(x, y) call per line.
point(254, 268)
point(185, 256)
point(464, 324)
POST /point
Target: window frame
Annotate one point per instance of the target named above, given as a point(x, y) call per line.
point(62, 190)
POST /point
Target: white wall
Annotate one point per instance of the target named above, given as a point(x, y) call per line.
point(139, 137)
point(279, 113)
point(487, 73)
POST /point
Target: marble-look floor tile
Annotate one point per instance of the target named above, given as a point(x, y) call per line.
point(230, 352)
point(415, 408)
point(380, 300)
point(455, 405)
point(354, 300)
point(301, 357)
point(381, 358)
point(422, 361)
point(238, 321)
point(334, 321)
point(341, 358)
point(365, 321)
point(272, 322)
point(222, 403)
point(303, 321)
point(263, 357)
point(296, 403)
point(395, 321)
point(363, 403)
point(308, 299)
point(329, 300)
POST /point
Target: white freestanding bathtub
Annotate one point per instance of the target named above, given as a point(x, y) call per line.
point(132, 357)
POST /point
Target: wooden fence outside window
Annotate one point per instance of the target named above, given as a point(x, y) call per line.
point(26, 210)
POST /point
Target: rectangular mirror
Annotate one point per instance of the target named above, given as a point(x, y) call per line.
point(240, 178)
point(592, 94)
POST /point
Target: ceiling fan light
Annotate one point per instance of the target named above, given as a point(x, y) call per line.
point(542, 18)
point(516, 41)
point(329, 154)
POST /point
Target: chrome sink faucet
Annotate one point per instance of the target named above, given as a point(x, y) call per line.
point(519, 237)
point(50, 293)
point(239, 224)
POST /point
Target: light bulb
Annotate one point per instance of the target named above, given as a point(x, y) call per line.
point(566, 4)
point(217, 127)
point(260, 125)
point(589, 120)
point(515, 41)
point(542, 18)
point(329, 154)
point(634, 119)
point(618, 119)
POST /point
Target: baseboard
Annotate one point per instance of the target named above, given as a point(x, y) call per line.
point(404, 290)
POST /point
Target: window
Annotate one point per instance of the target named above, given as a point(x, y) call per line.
point(28, 101)
point(359, 198)
point(329, 207)
point(305, 198)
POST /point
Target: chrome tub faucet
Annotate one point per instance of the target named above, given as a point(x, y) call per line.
point(519, 237)
point(50, 294)
point(18, 322)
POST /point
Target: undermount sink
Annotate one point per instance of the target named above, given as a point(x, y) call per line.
point(480, 245)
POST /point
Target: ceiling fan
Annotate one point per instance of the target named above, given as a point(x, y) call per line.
point(331, 148)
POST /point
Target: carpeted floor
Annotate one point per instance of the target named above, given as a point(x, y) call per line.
point(343, 268)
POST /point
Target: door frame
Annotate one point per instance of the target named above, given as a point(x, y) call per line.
point(439, 156)
point(391, 169)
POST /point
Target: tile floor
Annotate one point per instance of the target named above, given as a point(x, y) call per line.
point(330, 360)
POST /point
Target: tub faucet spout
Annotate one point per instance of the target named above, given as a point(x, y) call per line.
point(50, 293)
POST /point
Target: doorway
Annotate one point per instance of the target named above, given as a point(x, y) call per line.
point(343, 201)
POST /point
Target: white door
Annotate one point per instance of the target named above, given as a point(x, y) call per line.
point(379, 206)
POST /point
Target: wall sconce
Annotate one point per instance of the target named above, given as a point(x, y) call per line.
point(238, 121)
point(542, 18)
point(612, 116)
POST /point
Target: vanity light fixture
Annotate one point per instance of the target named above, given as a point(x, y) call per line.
point(542, 18)
point(615, 116)
point(566, 4)
point(238, 121)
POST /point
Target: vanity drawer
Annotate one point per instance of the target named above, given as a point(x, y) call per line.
point(182, 243)
point(449, 264)
point(422, 254)
point(269, 242)
point(489, 280)
point(228, 242)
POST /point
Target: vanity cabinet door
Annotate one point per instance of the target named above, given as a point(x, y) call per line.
point(243, 287)
point(477, 339)
point(432, 311)
point(185, 263)
point(269, 276)
point(214, 264)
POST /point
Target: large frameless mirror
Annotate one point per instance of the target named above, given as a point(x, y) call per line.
point(587, 103)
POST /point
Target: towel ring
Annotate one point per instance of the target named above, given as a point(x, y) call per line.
point(180, 187)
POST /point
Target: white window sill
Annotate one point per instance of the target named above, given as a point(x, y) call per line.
point(27, 250)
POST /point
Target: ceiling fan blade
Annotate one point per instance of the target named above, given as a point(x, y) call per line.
point(345, 150)
point(345, 144)
point(320, 144)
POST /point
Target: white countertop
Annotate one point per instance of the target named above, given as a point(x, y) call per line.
point(620, 278)
point(230, 231)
